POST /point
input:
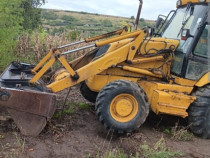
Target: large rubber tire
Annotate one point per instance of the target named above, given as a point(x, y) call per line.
point(87, 93)
point(199, 113)
point(107, 97)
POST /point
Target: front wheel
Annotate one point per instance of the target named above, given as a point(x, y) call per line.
point(199, 113)
point(122, 106)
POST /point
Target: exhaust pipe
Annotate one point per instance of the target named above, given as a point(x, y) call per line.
point(138, 14)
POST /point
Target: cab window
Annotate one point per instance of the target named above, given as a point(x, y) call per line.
point(200, 65)
point(201, 48)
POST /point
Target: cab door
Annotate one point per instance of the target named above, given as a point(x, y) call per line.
point(199, 60)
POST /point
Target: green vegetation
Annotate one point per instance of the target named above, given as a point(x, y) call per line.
point(116, 153)
point(10, 24)
point(159, 150)
point(31, 14)
point(85, 23)
point(179, 133)
point(49, 15)
point(70, 108)
point(14, 148)
point(16, 17)
point(28, 32)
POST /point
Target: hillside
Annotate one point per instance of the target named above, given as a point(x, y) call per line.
point(57, 21)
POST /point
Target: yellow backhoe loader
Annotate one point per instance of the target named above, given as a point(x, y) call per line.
point(127, 74)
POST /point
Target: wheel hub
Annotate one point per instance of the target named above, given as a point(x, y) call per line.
point(124, 108)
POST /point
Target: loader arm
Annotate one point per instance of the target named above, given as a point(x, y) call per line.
point(111, 59)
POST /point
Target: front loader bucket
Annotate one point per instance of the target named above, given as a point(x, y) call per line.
point(29, 106)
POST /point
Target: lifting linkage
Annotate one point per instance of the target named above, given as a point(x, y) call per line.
point(117, 56)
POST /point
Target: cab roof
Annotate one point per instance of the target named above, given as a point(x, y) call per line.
point(185, 2)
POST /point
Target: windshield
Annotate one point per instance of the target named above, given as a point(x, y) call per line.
point(188, 17)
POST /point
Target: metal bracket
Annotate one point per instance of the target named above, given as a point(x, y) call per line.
point(4, 95)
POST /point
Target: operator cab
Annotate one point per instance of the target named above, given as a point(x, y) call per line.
point(191, 59)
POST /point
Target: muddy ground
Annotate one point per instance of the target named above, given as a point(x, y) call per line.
point(76, 132)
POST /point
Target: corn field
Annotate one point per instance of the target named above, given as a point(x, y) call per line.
point(32, 48)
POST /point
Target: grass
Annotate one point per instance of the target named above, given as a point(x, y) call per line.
point(69, 109)
point(93, 23)
point(20, 143)
point(14, 149)
point(2, 136)
point(181, 133)
point(159, 150)
point(115, 153)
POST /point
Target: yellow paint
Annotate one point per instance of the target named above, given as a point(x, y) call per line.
point(145, 60)
point(164, 98)
point(124, 108)
point(204, 80)
point(43, 70)
point(41, 63)
point(171, 103)
point(118, 44)
point(169, 99)
point(60, 74)
point(93, 68)
point(155, 44)
point(135, 45)
point(91, 39)
point(184, 82)
point(64, 62)
point(97, 82)
point(185, 2)
point(141, 71)
point(119, 38)
point(119, 52)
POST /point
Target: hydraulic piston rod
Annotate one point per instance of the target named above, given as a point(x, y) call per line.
point(78, 49)
point(71, 44)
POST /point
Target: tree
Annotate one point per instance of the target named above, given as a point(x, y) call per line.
point(142, 20)
point(132, 17)
point(31, 13)
point(10, 26)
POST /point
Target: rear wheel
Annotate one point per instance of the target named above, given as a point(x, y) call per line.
point(87, 93)
point(122, 106)
point(199, 113)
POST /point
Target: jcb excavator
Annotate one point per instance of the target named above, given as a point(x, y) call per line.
point(127, 74)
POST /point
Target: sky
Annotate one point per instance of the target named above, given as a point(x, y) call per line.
point(126, 8)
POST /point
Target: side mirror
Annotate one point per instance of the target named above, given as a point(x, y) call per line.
point(158, 22)
point(185, 34)
point(151, 32)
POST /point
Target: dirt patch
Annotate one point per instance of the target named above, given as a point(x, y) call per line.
point(78, 133)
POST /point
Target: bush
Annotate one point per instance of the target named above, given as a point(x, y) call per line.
point(49, 15)
point(106, 23)
point(142, 20)
point(68, 18)
point(74, 35)
point(58, 31)
point(83, 12)
point(58, 23)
